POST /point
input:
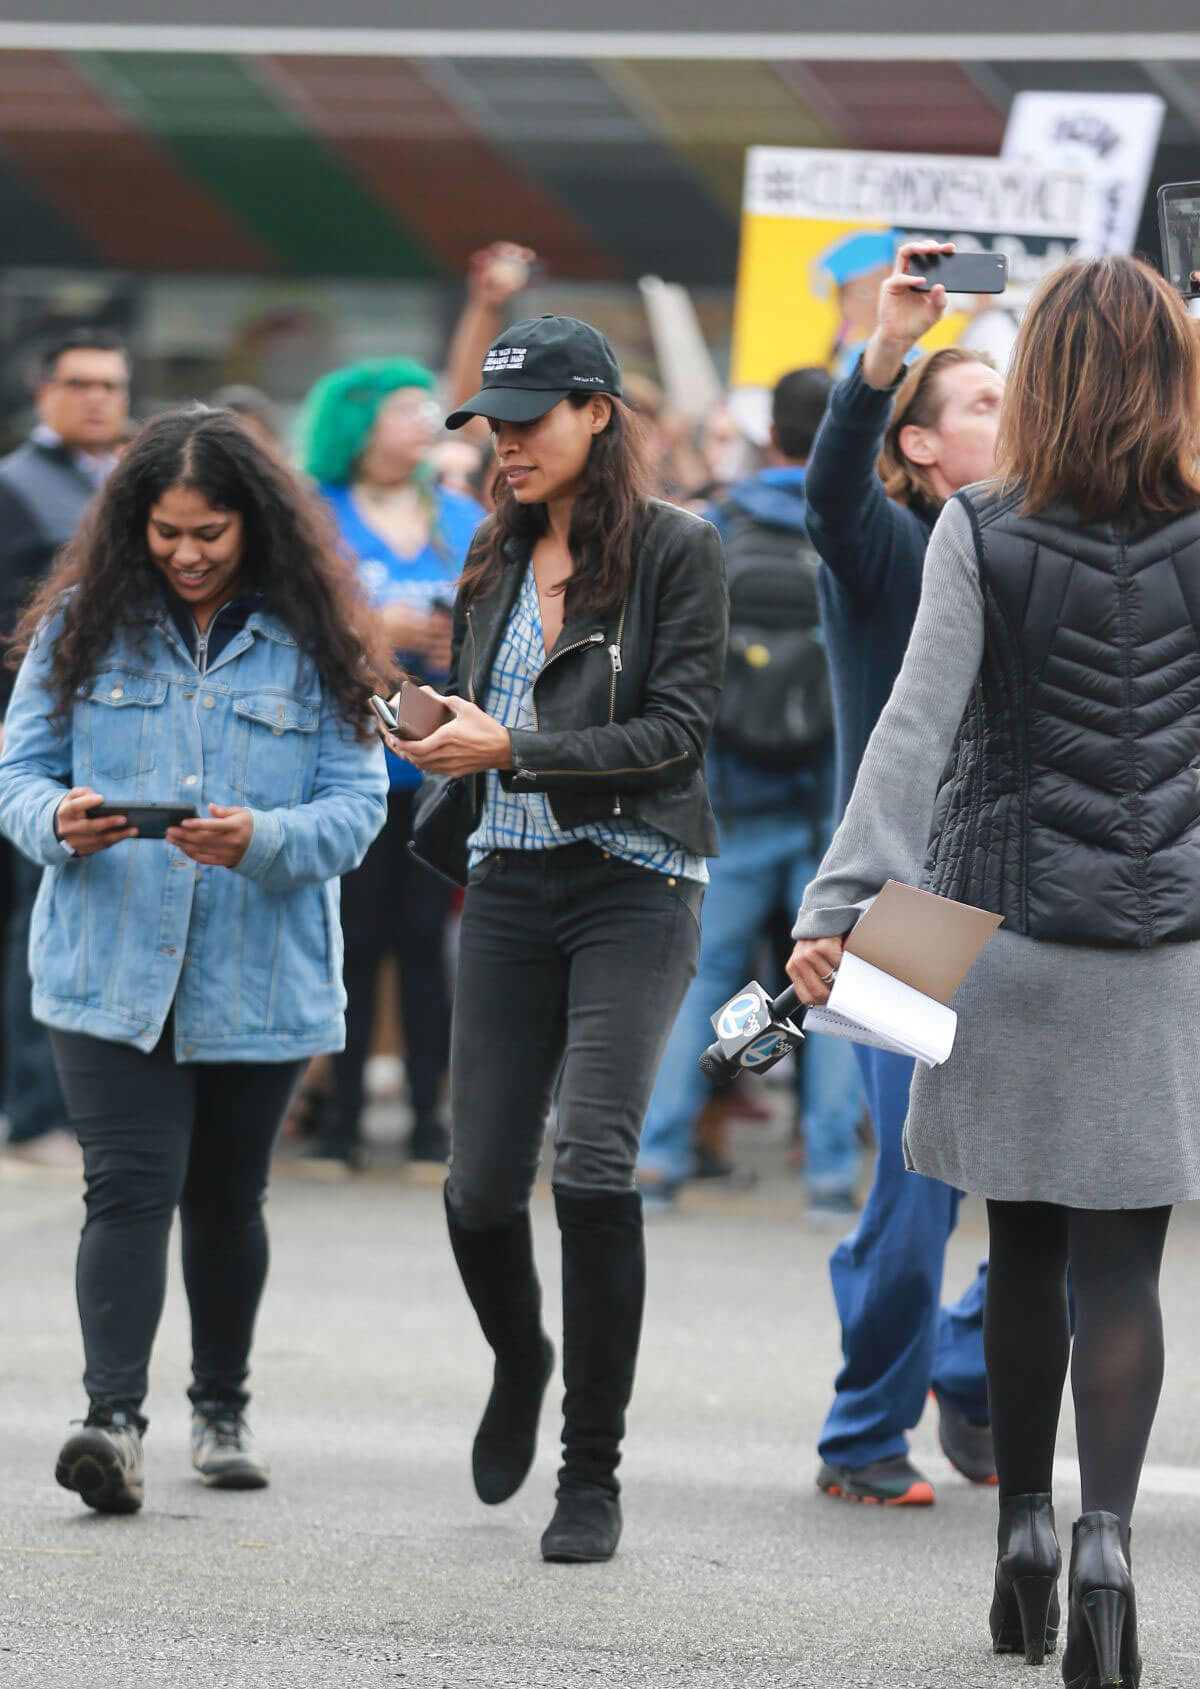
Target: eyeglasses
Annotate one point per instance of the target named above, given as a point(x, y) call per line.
point(427, 411)
point(77, 384)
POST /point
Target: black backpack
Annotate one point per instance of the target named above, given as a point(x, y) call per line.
point(776, 708)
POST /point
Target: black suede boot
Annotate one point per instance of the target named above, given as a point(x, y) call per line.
point(501, 1280)
point(604, 1289)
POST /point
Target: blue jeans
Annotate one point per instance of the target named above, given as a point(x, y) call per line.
point(765, 861)
point(897, 1340)
point(33, 1098)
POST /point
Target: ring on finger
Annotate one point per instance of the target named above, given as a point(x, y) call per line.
point(828, 979)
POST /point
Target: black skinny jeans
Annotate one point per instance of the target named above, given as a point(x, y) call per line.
point(159, 1135)
point(1117, 1361)
point(392, 904)
point(571, 961)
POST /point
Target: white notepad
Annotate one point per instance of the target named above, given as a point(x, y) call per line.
point(902, 964)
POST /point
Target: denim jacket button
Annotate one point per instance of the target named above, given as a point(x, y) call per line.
point(191, 779)
point(117, 692)
point(209, 700)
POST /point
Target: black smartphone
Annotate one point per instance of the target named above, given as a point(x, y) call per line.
point(1179, 231)
point(150, 819)
point(384, 711)
point(963, 272)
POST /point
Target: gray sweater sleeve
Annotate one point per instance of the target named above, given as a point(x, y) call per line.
point(885, 831)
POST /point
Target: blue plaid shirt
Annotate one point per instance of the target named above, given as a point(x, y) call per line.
point(524, 820)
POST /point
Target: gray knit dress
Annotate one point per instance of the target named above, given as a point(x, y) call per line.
point(1075, 1078)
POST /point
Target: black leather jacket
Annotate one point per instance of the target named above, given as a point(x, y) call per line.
point(624, 703)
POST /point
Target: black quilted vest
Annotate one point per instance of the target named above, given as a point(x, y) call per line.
point(1073, 803)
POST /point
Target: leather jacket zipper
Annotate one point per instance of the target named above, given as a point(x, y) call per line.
point(579, 645)
point(614, 652)
point(475, 804)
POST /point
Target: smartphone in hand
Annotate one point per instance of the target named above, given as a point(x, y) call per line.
point(415, 716)
point(962, 272)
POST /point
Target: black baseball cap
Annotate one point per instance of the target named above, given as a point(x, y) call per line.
point(536, 364)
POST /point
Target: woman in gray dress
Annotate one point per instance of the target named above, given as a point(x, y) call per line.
point(1039, 758)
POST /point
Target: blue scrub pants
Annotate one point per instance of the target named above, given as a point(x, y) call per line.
point(897, 1339)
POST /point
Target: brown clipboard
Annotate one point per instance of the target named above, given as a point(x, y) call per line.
point(929, 942)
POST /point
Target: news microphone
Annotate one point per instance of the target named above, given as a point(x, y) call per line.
point(753, 1031)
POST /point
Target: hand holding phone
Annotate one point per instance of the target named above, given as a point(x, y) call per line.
point(413, 714)
point(962, 272)
point(149, 820)
point(909, 306)
point(78, 825)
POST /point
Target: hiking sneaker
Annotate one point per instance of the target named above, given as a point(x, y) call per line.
point(966, 1443)
point(884, 1483)
point(223, 1450)
point(103, 1463)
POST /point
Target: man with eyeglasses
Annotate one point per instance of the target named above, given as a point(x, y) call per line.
point(82, 403)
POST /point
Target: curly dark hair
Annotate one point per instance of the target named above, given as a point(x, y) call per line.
point(106, 579)
point(607, 519)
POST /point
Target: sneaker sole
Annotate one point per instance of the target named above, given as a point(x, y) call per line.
point(237, 1478)
point(917, 1495)
point(96, 1475)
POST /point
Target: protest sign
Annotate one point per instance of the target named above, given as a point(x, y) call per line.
point(820, 228)
point(1110, 136)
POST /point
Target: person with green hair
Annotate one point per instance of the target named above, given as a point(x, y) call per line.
point(366, 435)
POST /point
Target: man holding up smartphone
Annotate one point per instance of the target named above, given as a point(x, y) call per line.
point(896, 443)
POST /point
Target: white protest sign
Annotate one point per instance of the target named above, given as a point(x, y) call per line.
point(1112, 137)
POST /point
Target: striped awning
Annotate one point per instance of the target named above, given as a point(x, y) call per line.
point(384, 165)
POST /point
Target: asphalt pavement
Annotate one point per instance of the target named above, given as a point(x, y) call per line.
point(369, 1561)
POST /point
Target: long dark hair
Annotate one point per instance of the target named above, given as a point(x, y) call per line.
point(606, 520)
point(291, 556)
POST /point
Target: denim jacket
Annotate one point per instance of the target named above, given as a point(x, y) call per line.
point(251, 958)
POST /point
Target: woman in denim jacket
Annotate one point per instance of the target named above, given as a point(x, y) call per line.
point(199, 644)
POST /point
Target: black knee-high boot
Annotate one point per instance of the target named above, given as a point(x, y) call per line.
point(501, 1280)
point(604, 1290)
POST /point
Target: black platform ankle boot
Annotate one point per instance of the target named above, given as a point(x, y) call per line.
point(501, 1280)
point(1025, 1610)
point(1102, 1644)
point(604, 1289)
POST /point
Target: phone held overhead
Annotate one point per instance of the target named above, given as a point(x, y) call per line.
point(962, 272)
point(1179, 231)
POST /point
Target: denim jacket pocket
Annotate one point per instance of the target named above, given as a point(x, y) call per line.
point(274, 747)
point(122, 721)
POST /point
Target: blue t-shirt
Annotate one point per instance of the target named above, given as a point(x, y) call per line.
point(421, 582)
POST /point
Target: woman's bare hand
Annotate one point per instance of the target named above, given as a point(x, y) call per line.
point(219, 842)
point(908, 308)
point(469, 744)
point(86, 837)
point(811, 968)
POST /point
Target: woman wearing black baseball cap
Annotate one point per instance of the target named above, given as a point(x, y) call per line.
point(589, 644)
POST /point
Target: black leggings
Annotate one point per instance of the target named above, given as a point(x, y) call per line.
point(1117, 1367)
point(157, 1135)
